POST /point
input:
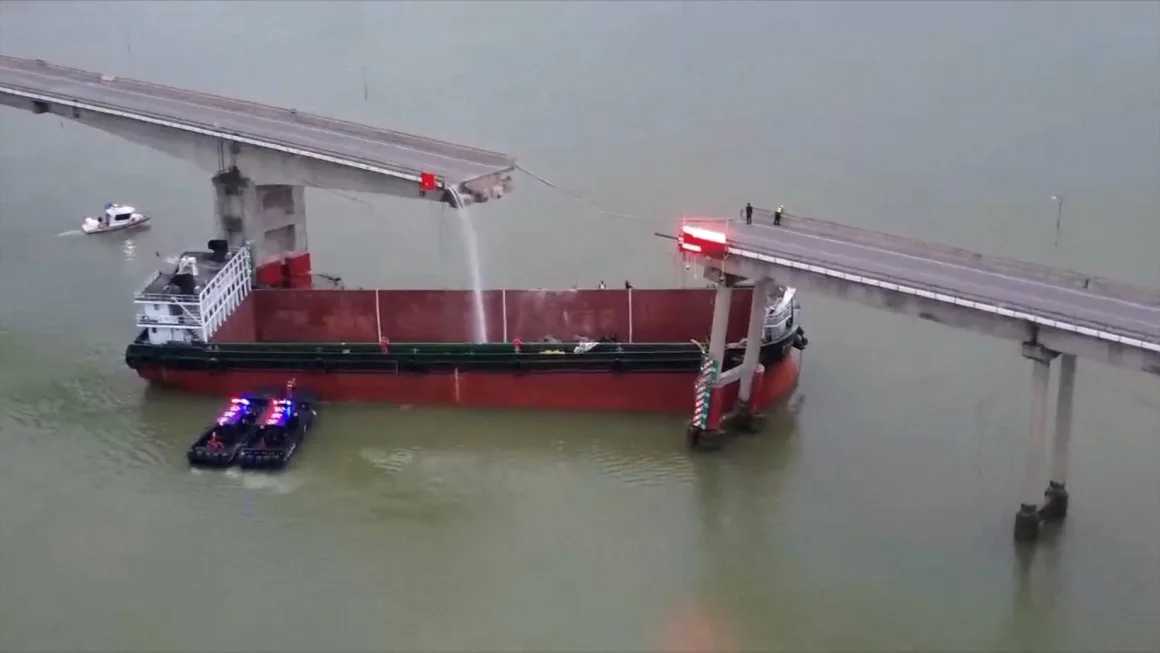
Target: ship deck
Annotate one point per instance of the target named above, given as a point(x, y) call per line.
point(206, 270)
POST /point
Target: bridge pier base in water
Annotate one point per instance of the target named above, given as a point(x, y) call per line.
point(744, 418)
point(1055, 499)
point(704, 432)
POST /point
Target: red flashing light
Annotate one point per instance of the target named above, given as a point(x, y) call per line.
point(427, 181)
point(706, 242)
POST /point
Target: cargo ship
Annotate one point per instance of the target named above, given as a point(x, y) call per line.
point(211, 322)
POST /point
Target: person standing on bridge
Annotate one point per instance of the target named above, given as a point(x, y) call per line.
point(748, 213)
point(777, 214)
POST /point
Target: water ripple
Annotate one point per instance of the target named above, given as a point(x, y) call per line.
point(640, 466)
point(275, 482)
point(388, 461)
point(86, 407)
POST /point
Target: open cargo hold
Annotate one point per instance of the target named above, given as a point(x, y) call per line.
point(637, 316)
point(409, 347)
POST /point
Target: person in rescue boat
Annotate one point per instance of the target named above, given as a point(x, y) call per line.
point(214, 443)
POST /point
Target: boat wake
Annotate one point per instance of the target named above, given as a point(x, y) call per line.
point(392, 461)
point(70, 232)
point(278, 484)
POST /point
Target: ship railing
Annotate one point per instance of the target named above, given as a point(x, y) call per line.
point(205, 312)
point(187, 318)
point(218, 300)
point(160, 298)
point(782, 316)
point(175, 321)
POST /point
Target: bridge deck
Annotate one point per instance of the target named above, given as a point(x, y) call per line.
point(1067, 296)
point(389, 150)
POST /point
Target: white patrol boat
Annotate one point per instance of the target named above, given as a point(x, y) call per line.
point(115, 218)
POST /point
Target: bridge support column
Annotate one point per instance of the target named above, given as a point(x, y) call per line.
point(1056, 498)
point(743, 417)
point(272, 217)
point(1028, 518)
point(707, 433)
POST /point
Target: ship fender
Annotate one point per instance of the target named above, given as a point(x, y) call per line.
point(321, 365)
point(214, 365)
point(800, 341)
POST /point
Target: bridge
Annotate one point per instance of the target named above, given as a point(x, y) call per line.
point(1051, 313)
point(262, 157)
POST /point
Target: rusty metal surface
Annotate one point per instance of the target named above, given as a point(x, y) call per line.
point(567, 314)
point(436, 315)
point(315, 315)
point(240, 326)
point(678, 315)
point(666, 315)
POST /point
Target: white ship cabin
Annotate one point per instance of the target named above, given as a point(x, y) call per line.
point(191, 296)
point(115, 213)
point(781, 316)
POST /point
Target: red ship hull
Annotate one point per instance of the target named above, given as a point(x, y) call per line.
point(444, 316)
point(634, 392)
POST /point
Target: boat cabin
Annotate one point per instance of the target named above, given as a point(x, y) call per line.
point(781, 316)
point(190, 297)
point(118, 213)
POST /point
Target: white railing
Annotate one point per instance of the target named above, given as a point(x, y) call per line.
point(1055, 321)
point(225, 292)
point(780, 318)
point(263, 142)
point(155, 311)
point(202, 316)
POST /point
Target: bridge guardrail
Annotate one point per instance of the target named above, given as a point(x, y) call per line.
point(209, 127)
point(448, 148)
point(1036, 271)
point(1053, 319)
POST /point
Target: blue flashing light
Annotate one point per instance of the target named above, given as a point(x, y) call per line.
point(278, 413)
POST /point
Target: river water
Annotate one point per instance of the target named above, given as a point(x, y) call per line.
point(875, 512)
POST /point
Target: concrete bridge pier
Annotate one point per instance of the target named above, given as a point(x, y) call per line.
point(705, 431)
point(272, 217)
point(1055, 499)
point(743, 418)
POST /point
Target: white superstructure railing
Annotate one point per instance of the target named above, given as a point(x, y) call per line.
point(195, 318)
